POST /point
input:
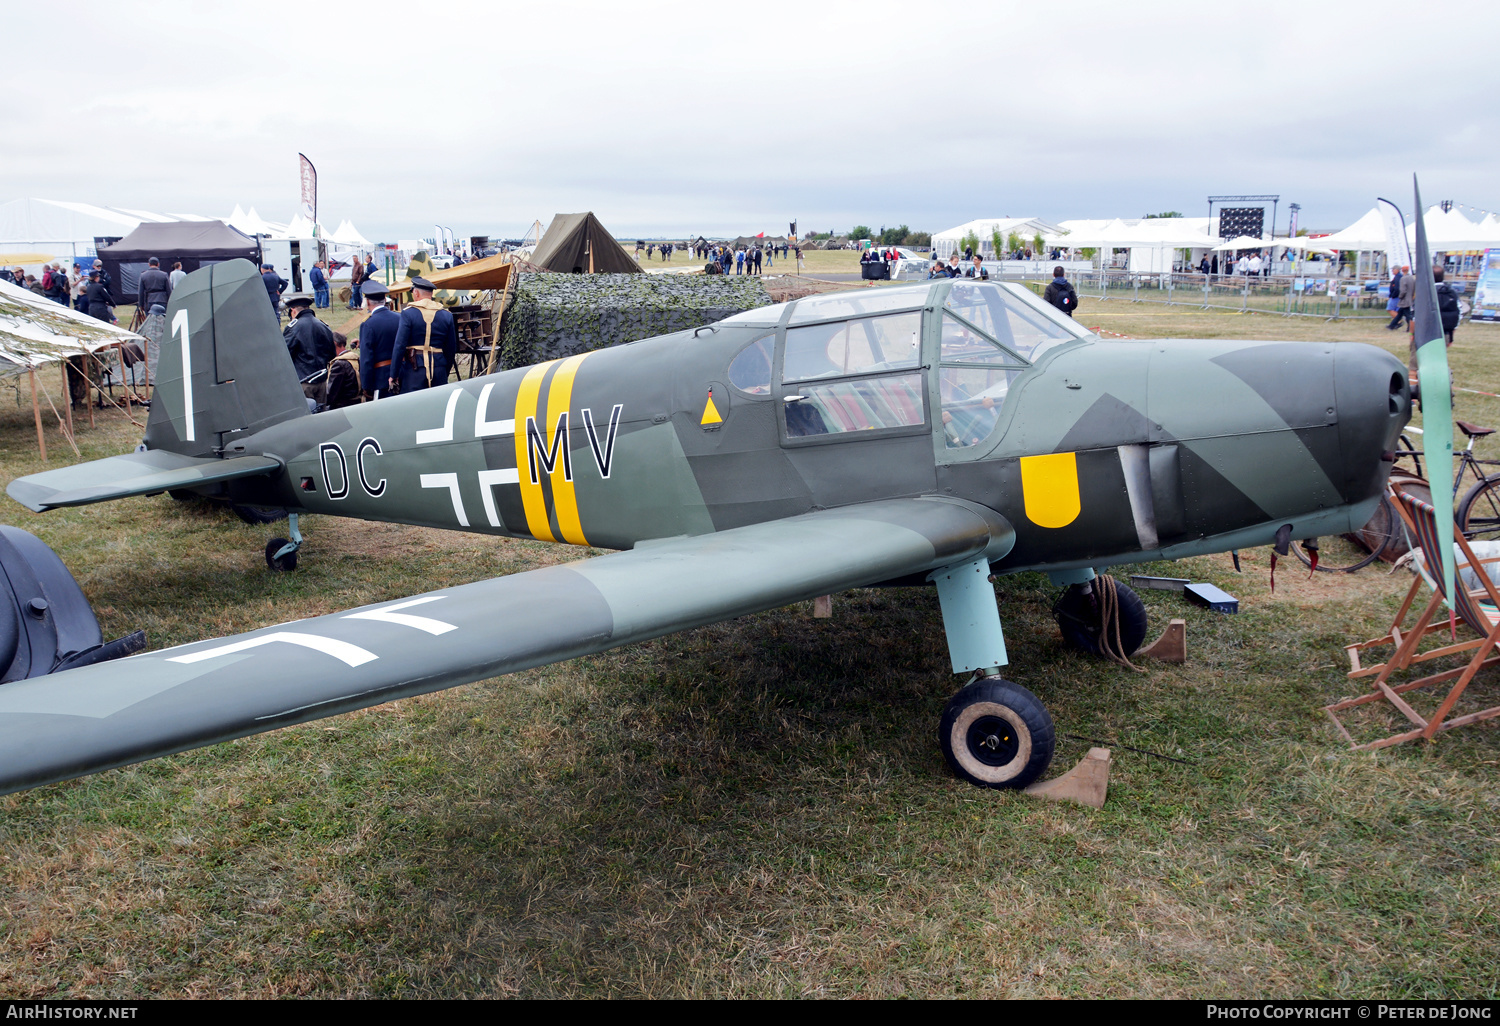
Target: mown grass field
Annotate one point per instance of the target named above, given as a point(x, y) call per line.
point(757, 808)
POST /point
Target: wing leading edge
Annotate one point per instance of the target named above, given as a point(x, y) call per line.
point(98, 717)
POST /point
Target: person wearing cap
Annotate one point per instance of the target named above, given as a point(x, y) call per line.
point(377, 339)
point(155, 288)
point(308, 340)
point(423, 364)
point(101, 303)
point(275, 286)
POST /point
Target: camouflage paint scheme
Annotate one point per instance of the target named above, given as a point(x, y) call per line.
point(1102, 453)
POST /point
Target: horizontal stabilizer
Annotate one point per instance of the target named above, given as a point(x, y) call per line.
point(136, 473)
point(80, 721)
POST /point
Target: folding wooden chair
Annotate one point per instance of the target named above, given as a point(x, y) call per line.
point(1479, 608)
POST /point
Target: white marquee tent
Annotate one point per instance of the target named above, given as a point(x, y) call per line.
point(944, 243)
point(1152, 241)
point(347, 235)
point(67, 230)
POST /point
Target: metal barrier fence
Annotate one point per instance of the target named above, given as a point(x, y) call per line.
point(1277, 295)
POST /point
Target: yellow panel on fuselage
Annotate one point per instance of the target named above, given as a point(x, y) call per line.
point(1049, 486)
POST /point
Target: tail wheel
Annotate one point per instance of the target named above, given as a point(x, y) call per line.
point(280, 564)
point(258, 514)
point(1080, 617)
point(996, 734)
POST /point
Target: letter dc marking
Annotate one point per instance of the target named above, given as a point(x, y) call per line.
point(368, 445)
point(332, 449)
point(349, 654)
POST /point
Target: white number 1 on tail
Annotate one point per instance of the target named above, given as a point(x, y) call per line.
point(180, 323)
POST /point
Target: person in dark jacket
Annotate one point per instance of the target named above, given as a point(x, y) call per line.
point(356, 284)
point(1060, 293)
point(101, 303)
point(426, 342)
point(275, 286)
point(377, 341)
point(1448, 308)
point(55, 283)
point(320, 285)
point(1393, 303)
point(155, 288)
point(308, 340)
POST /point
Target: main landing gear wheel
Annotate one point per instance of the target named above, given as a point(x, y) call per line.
point(258, 514)
point(280, 563)
point(996, 734)
point(1079, 615)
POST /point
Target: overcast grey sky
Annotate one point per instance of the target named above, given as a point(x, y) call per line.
point(669, 118)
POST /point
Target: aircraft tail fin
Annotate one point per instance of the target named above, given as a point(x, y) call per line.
point(224, 371)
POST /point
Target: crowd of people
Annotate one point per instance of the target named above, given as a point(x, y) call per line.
point(92, 291)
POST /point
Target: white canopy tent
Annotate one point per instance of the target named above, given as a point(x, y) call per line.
point(945, 242)
point(1246, 242)
point(347, 235)
point(1152, 242)
point(66, 230)
point(1305, 244)
point(1451, 232)
point(1366, 233)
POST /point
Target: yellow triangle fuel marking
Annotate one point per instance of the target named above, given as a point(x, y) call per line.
point(710, 412)
point(1049, 487)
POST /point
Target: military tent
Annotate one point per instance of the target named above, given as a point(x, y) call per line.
point(578, 242)
point(195, 243)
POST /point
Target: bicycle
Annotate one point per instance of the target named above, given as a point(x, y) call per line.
point(1477, 514)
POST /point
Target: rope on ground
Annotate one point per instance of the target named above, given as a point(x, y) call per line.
point(1111, 334)
point(1110, 643)
point(1128, 748)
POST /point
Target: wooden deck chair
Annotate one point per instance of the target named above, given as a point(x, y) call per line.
point(1397, 632)
point(1479, 608)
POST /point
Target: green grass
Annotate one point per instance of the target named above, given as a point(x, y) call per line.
point(756, 808)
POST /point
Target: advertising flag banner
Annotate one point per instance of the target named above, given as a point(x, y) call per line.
point(309, 189)
point(1397, 253)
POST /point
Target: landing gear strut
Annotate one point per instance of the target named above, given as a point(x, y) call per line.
point(993, 733)
point(281, 554)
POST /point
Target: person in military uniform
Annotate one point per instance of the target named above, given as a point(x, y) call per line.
point(426, 342)
point(341, 387)
point(308, 340)
point(275, 286)
point(377, 338)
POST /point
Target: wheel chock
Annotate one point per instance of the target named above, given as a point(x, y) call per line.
point(1171, 647)
point(823, 607)
point(1086, 783)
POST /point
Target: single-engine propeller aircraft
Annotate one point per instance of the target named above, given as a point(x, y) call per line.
point(937, 433)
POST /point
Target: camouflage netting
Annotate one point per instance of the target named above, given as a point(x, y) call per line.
point(557, 315)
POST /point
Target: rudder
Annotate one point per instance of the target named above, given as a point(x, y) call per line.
point(224, 370)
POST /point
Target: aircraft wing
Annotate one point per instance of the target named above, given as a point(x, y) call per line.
point(135, 473)
point(112, 714)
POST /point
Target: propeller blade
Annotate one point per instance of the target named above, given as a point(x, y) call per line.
point(1436, 384)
